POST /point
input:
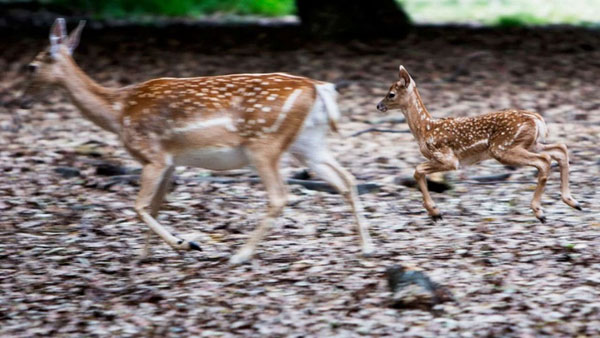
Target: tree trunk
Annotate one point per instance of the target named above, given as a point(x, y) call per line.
point(353, 19)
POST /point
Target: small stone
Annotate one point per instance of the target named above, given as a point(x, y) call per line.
point(67, 172)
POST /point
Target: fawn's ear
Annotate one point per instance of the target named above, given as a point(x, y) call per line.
point(73, 40)
point(58, 34)
point(404, 77)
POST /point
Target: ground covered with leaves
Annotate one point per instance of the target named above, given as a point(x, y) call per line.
point(69, 237)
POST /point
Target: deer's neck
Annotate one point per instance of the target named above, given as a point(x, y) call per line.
point(98, 104)
point(417, 116)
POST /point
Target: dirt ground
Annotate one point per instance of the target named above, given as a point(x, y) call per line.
point(68, 246)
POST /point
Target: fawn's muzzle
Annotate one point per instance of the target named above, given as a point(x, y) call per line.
point(381, 107)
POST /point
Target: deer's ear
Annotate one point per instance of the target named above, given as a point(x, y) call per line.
point(404, 76)
point(58, 34)
point(73, 40)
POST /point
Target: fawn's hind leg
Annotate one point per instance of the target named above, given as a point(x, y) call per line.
point(520, 156)
point(560, 154)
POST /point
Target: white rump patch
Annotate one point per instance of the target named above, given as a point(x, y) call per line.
point(542, 129)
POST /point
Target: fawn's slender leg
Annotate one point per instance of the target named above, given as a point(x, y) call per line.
point(430, 167)
point(152, 178)
point(328, 169)
point(521, 156)
point(268, 170)
point(560, 154)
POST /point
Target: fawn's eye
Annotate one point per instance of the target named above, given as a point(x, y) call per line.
point(392, 95)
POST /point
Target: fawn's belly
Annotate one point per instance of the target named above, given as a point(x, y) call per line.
point(213, 158)
point(474, 158)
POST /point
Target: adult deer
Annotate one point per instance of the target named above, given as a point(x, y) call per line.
point(510, 136)
point(216, 122)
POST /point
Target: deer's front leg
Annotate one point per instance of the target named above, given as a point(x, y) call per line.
point(421, 172)
point(153, 186)
point(157, 200)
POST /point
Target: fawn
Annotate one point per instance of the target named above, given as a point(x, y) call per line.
point(510, 136)
point(214, 122)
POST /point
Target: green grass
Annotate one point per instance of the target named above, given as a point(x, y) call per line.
point(192, 8)
point(504, 12)
point(484, 12)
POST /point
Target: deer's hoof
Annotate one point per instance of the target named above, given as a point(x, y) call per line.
point(368, 251)
point(189, 241)
point(578, 207)
point(241, 257)
point(194, 246)
point(542, 219)
point(187, 245)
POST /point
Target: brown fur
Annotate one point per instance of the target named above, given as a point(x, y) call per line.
point(510, 136)
point(217, 122)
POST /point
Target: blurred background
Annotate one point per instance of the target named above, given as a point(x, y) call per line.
point(477, 12)
point(69, 236)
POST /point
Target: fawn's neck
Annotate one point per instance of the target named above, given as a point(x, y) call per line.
point(417, 116)
point(97, 103)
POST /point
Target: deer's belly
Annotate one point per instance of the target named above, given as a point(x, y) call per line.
point(213, 158)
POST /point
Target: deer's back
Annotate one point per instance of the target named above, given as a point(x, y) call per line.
point(217, 111)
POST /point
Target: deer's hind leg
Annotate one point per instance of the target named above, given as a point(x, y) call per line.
point(522, 157)
point(324, 165)
point(560, 154)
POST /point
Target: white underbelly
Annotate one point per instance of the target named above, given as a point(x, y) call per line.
point(213, 158)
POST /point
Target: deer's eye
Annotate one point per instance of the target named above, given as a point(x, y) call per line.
point(392, 95)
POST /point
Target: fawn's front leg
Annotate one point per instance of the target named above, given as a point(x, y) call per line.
point(421, 172)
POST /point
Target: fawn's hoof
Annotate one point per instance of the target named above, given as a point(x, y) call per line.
point(542, 219)
point(437, 217)
point(570, 201)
